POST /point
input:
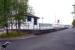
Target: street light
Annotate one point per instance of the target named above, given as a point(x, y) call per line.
point(42, 20)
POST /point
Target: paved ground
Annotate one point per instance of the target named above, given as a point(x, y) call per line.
point(61, 40)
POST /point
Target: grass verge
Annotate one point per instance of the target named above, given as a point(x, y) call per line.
point(12, 34)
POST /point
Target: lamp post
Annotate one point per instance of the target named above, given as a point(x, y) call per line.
point(73, 10)
point(42, 20)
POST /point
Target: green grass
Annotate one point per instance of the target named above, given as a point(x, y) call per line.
point(12, 34)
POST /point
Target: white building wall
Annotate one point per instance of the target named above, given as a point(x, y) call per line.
point(45, 26)
point(30, 25)
point(27, 25)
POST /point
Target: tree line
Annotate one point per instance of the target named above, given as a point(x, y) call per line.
point(12, 10)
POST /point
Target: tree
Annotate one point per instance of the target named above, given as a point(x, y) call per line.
point(20, 11)
point(7, 7)
point(30, 10)
point(73, 23)
point(4, 13)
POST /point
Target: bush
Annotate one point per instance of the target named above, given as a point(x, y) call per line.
point(73, 23)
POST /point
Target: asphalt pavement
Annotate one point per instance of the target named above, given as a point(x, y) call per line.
point(60, 40)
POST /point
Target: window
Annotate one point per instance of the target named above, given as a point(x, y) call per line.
point(29, 18)
point(35, 21)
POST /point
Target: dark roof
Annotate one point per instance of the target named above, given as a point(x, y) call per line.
point(33, 16)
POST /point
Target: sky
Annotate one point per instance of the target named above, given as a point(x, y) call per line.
point(53, 10)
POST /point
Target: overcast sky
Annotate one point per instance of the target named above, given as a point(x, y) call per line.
point(52, 10)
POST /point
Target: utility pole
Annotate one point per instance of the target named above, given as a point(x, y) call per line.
point(55, 20)
point(42, 20)
point(73, 10)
